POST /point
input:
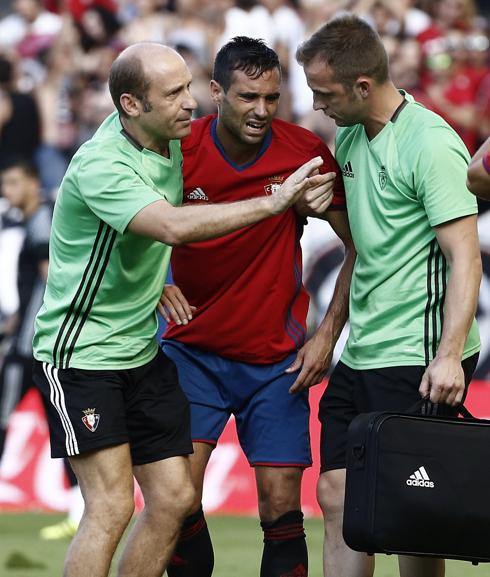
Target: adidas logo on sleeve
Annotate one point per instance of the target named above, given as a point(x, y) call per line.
point(348, 170)
point(420, 479)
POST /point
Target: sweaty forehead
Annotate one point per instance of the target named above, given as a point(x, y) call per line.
point(268, 82)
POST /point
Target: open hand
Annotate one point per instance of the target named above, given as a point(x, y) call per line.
point(174, 306)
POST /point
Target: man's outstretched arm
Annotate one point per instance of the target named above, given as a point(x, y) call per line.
point(181, 225)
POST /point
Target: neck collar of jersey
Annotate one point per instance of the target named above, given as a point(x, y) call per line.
point(131, 138)
point(396, 114)
point(146, 151)
point(239, 167)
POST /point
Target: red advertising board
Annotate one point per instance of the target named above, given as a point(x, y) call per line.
point(30, 479)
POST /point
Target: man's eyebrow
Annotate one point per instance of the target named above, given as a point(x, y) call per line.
point(257, 94)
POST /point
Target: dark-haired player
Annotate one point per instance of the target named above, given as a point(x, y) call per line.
point(242, 351)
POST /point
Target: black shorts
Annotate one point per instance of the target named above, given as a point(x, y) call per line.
point(92, 409)
point(351, 392)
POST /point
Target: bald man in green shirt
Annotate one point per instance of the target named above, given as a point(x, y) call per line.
point(112, 397)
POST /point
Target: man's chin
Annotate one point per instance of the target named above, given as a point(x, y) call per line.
point(182, 132)
point(252, 140)
point(343, 122)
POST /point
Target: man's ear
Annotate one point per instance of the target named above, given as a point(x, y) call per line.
point(130, 104)
point(217, 92)
point(363, 86)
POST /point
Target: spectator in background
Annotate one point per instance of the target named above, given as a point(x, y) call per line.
point(478, 51)
point(30, 28)
point(455, 81)
point(397, 19)
point(147, 23)
point(11, 239)
point(20, 186)
point(248, 18)
point(103, 28)
point(404, 63)
point(447, 16)
point(76, 8)
point(483, 106)
point(288, 27)
point(98, 29)
point(58, 97)
point(19, 117)
point(196, 24)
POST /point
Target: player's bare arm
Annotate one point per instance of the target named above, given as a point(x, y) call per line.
point(181, 225)
point(443, 380)
point(315, 356)
point(174, 306)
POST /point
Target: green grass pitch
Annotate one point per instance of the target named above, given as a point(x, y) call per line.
point(237, 543)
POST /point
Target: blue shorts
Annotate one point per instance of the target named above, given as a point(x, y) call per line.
point(272, 424)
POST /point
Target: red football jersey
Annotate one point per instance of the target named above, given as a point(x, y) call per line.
point(247, 286)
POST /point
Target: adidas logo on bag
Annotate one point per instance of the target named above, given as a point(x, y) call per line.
point(348, 171)
point(420, 479)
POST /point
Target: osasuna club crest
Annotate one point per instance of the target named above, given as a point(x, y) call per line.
point(382, 178)
point(275, 184)
point(91, 419)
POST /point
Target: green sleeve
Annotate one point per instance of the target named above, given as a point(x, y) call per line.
point(439, 176)
point(113, 190)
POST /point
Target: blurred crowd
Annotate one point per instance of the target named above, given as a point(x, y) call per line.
point(55, 57)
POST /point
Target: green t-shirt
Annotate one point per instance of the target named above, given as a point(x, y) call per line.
point(104, 282)
point(408, 179)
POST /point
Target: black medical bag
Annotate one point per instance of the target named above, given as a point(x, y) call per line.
point(418, 485)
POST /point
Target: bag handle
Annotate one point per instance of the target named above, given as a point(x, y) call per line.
point(427, 407)
point(463, 411)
